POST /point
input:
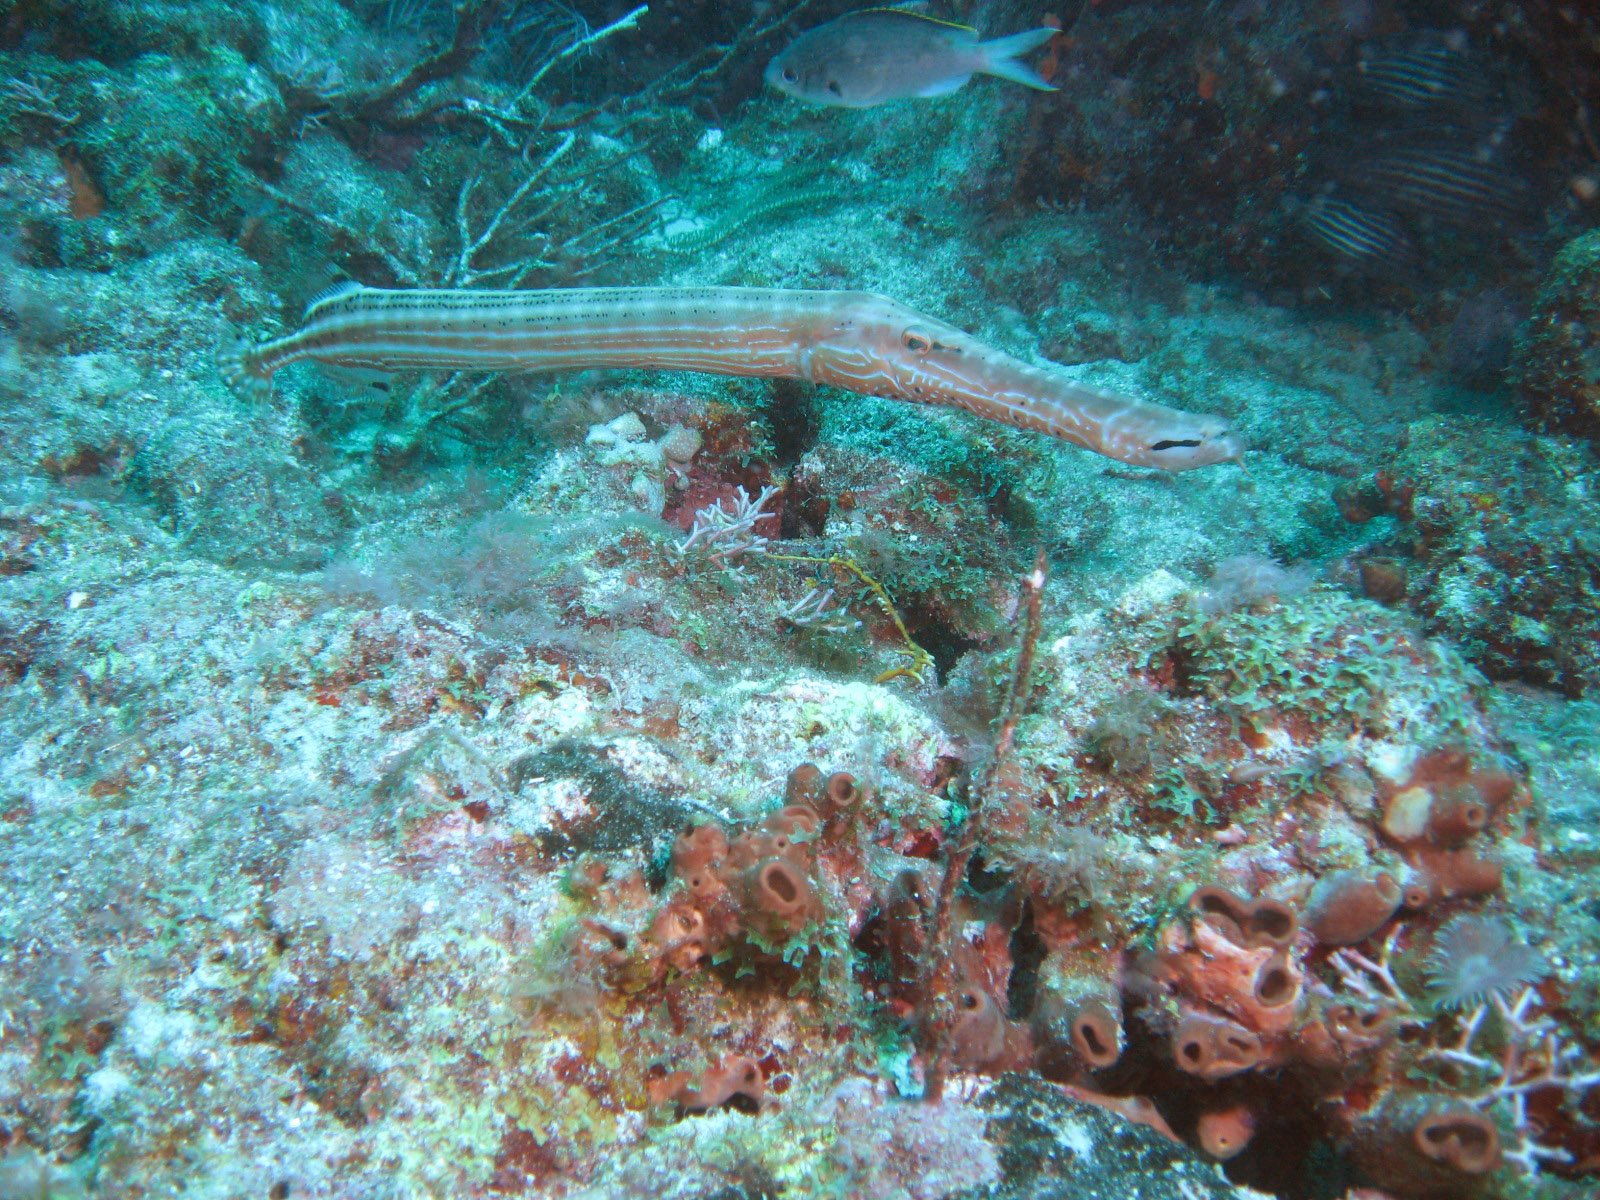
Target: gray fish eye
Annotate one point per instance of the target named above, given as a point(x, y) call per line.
point(789, 75)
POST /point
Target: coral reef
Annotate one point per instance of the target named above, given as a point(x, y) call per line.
point(1555, 355)
point(1487, 540)
point(655, 784)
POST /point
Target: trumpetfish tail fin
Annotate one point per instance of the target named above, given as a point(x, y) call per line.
point(242, 368)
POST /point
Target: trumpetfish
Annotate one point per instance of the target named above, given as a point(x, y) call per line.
point(859, 341)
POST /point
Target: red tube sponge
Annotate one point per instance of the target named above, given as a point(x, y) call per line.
point(734, 1076)
point(977, 1035)
point(1213, 1048)
point(1455, 873)
point(1455, 814)
point(698, 846)
point(1348, 906)
point(780, 889)
point(804, 785)
point(1224, 1132)
point(1459, 1137)
point(842, 790)
point(778, 900)
point(1277, 982)
point(1096, 1033)
point(1416, 1143)
point(1260, 922)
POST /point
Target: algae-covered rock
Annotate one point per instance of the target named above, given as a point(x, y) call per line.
point(162, 142)
point(1052, 1147)
point(113, 31)
point(1494, 548)
point(1557, 361)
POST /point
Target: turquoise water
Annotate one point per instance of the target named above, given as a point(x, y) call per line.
point(1110, 711)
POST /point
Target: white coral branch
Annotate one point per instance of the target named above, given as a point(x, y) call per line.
point(721, 534)
point(1532, 1058)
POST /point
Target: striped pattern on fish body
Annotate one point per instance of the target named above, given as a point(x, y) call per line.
point(857, 341)
point(1424, 75)
point(1449, 184)
point(1367, 237)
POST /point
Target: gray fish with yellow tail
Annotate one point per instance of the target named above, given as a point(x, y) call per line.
point(880, 54)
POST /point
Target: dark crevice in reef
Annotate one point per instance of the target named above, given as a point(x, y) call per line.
point(1184, 675)
point(985, 879)
point(805, 510)
point(792, 416)
point(932, 629)
point(1027, 953)
point(1287, 1154)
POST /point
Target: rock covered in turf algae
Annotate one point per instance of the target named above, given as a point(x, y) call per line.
point(1053, 1147)
point(1557, 358)
point(1493, 547)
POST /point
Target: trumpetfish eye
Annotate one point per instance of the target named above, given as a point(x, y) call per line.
point(916, 341)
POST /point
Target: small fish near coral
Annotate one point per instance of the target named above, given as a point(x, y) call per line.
point(876, 55)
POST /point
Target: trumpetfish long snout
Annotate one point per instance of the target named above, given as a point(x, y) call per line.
point(857, 341)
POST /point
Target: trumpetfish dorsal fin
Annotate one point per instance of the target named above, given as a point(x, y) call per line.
point(343, 288)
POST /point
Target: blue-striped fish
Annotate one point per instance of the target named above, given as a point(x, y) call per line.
point(1428, 72)
point(1455, 185)
point(881, 54)
point(858, 341)
point(1367, 238)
